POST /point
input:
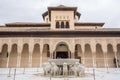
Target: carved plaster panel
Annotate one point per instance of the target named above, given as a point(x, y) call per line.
point(14, 40)
point(4, 41)
point(46, 41)
point(87, 41)
point(36, 40)
point(117, 41)
point(109, 41)
point(98, 41)
point(69, 42)
point(77, 41)
point(25, 40)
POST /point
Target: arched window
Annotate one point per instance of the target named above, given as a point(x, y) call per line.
point(57, 25)
point(62, 24)
point(67, 24)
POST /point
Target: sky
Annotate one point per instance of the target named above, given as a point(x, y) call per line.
point(106, 11)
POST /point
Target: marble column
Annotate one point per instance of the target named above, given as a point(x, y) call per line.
point(31, 46)
point(20, 45)
point(41, 50)
point(93, 47)
point(0, 45)
point(115, 52)
point(72, 49)
point(104, 48)
point(83, 51)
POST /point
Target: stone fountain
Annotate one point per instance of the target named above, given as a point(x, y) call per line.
point(63, 67)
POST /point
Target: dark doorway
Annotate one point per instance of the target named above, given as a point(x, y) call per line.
point(61, 54)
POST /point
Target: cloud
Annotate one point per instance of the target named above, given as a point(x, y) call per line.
point(31, 10)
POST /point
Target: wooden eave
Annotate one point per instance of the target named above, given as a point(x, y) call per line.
point(78, 14)
point(66, 34)
point(28, 25)
point(89, 24)
point(44, 14)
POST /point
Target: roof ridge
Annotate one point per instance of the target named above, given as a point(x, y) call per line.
point(61, 6)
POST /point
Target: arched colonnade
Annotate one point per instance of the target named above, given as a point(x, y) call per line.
point(33, 52)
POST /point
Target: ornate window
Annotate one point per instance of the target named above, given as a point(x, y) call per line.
point(62, 24)
point(57, 25)
point(67, 24)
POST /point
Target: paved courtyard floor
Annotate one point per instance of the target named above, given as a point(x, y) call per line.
point(37, 74)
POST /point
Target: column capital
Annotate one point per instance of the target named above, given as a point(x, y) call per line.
point(114, 48)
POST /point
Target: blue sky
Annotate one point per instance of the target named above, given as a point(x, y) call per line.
point(31, 10)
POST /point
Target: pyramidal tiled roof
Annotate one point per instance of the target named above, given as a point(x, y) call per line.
point(61, 6)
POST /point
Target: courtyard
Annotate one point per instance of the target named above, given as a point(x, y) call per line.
point(37, 74)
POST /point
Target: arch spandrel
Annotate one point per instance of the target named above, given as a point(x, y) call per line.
point(114, 47)
point(14, 41)
point(0, 45)
point(31, 47)
point(117, 41)
point(46, 41)
point(0, 48)
point(78, 41)
point(83, 46)
point(9, 48)
point(104, 46)
point(35, 40)
point(41, 45)
point(5, 41)
point(59, 42)
point(20, 45)
point(41, 48)
point(93, 47)
point(118, 50)
point(25, 40)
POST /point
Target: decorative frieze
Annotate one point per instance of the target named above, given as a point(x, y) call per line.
point(87, 41)
point(14, 41)
point(109, 41)
point(5, 41)
point(98, 41)
point(77, 41)
point(46, 41)
point(25, 40)
point(117, 41)
point(37, 40)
